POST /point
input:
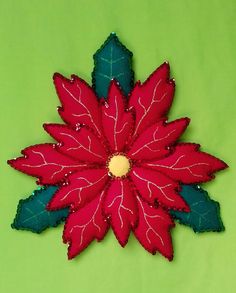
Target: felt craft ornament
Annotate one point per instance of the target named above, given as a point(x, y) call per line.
point(117, 161)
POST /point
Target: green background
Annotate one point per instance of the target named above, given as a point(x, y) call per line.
point(38, 38)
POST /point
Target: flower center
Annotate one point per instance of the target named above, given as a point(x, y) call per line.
point(118, 165)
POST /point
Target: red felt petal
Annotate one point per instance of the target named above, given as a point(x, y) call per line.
point(84, 226)
point(46, 163)
point(152, 143)
point(83, 186)
point(152, 99)
point(153, 230)
point(117, 123)
point(153, 186)
point(120, 205)
point(188, 165)
point(79, 103)
point(80, 144)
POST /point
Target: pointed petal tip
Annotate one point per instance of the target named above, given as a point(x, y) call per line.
point(170, 257)
point(172, 82)
point(223, 165)
point(50, 207)
point(166, 64)
point(122, 242)
point(186, 209)
point(70, 256)
point(76, 77)
point(50, 126)
point(226, 165)
point(116, 87)
point(187, 120)
point(10, 162)
point(46, 126)
point(169, 254)
point(57, 75)
point(114, 82)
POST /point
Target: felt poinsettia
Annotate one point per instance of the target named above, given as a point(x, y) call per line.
point(118, 163)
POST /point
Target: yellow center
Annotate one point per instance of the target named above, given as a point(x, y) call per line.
point(119, 165)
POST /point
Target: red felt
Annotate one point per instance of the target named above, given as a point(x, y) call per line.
point(152, 99)
point(117, 123)
point(84, 226)
point(188, 165)
point(82, 187)
point(153, 230)
point(121, 208)
point(79, 102)
point(96, 131)
point(153, 142)
point(80, 144)
point(46, 163)
point(153, 185)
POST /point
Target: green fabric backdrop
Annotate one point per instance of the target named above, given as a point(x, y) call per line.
point(38, 38)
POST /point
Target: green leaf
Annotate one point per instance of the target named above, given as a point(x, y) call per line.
point(112, 61)
point(32, 214)
point(205, 212)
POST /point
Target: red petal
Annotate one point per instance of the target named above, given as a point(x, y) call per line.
point(153, 186)
point(79, 103)
point(152, 99)
point(153, 230)
point(82, 145)
point(84, 226)
point(120, 204)
point(152, 143)
point(83, 187)
point(117, 123)
point(46, 163)
point(188, 165)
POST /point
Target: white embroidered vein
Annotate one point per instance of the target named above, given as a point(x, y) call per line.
point(116, 119)
point(150, 228)
point(92, 220)
point(147, 110)
point(80, 145)
point(172, 167)
point(150, 183)
point(46, 163)
point(153, 141)
point(121, 205)
point(80, 189)
point(79, 101)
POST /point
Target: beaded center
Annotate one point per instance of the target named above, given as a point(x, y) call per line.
point(119, 165)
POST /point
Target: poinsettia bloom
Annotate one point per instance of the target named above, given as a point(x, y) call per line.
point(117, 162)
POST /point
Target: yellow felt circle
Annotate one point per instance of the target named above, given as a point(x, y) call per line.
point(119, 165)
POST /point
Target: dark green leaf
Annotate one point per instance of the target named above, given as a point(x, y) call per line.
point(205, 212)
point(32, 214)
point(112, 61)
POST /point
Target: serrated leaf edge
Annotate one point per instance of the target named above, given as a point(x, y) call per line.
point(118, 43)
point(217, 207)
point(15, 226)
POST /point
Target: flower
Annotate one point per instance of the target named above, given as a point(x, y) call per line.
point(117, 162)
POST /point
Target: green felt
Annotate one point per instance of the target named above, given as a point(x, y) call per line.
point(112, 61)
point(41, 37)
point(32, 214)
point(205, 213)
